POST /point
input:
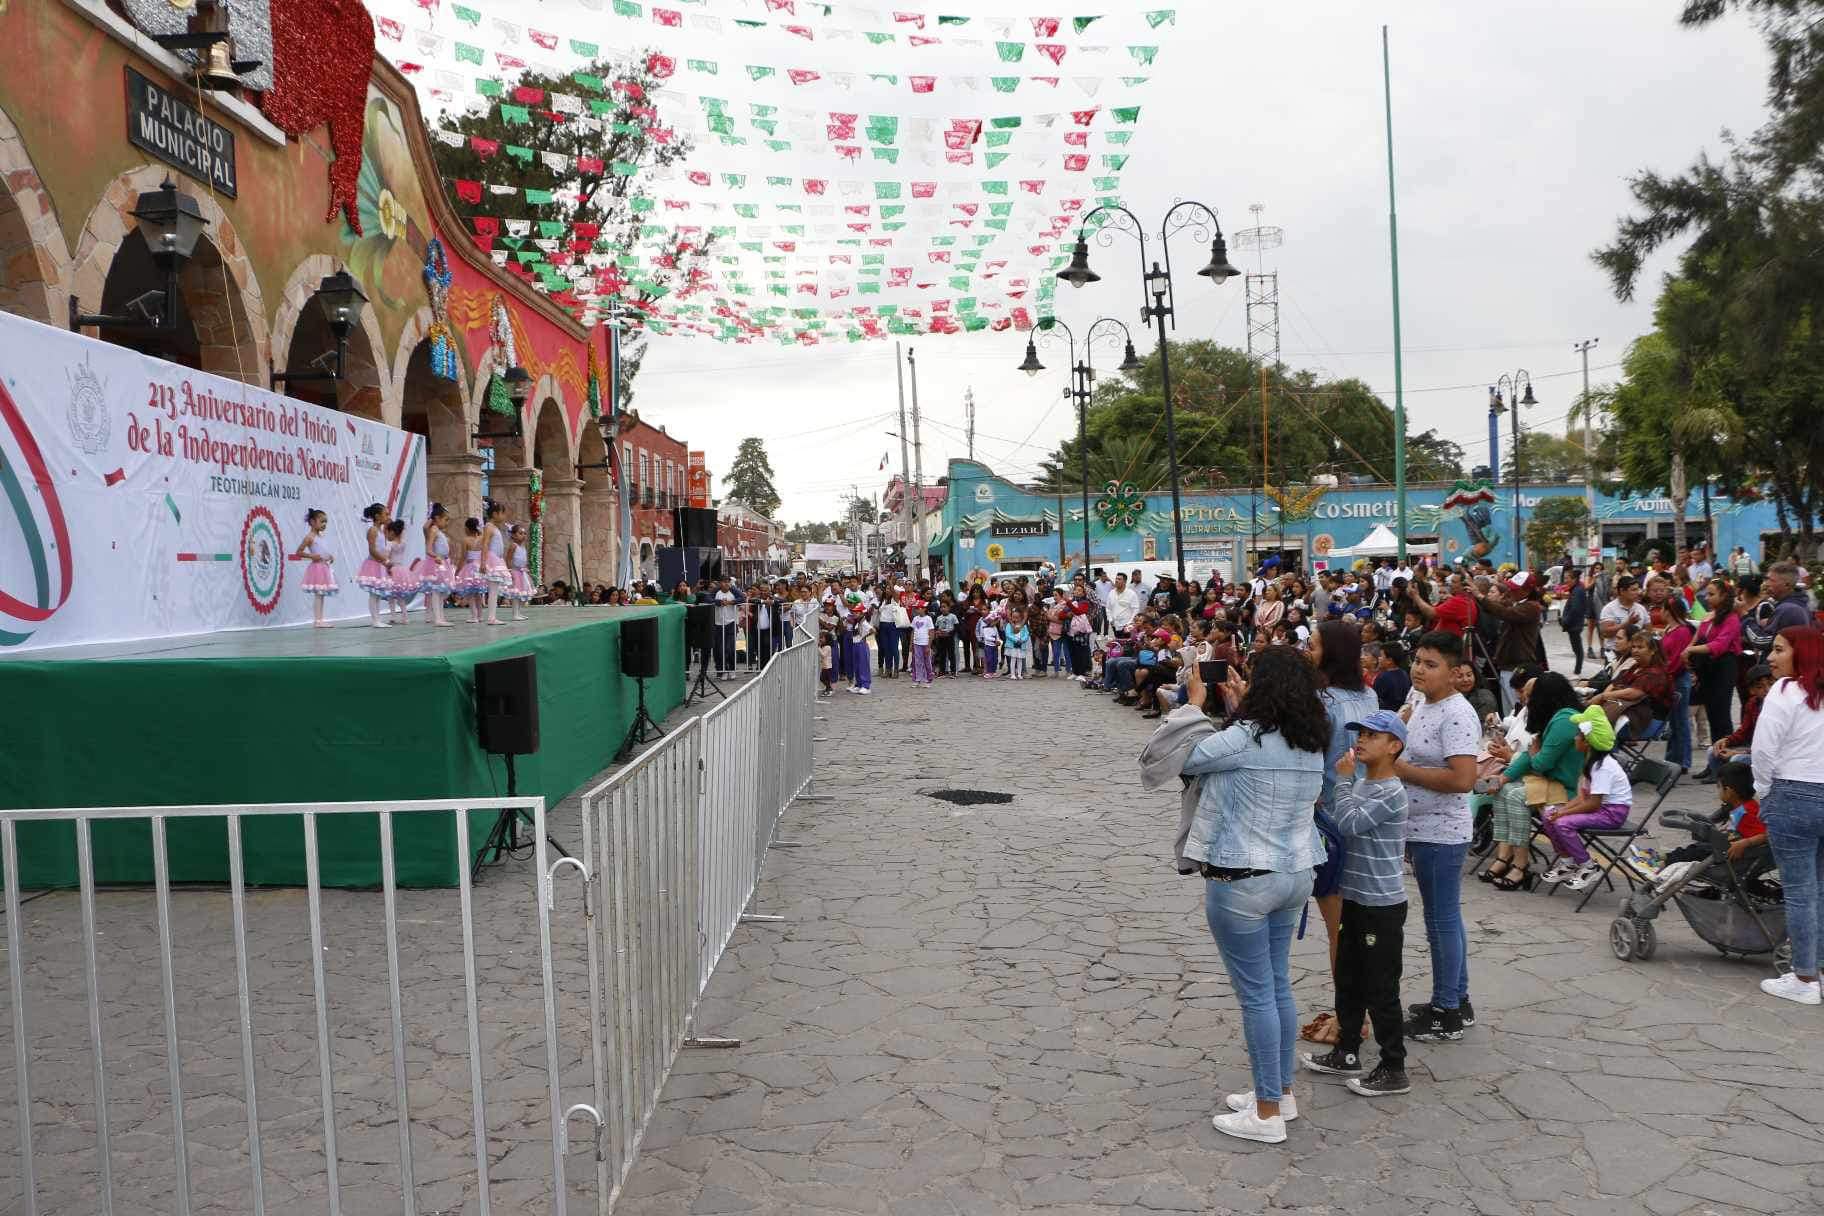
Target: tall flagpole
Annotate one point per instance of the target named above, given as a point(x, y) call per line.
point(1393, 247)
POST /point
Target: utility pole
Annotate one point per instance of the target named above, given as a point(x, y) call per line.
point(905, 458)
point(855, 537)
point(1593, 539)
point(969, 413)
point(1393, 260)
point(918, 481)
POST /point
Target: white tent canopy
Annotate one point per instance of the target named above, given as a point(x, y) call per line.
point(1381, 543)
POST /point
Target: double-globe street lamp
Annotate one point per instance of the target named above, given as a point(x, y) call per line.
point(1204, 225)
point(1082, 375)
point(1515, 390)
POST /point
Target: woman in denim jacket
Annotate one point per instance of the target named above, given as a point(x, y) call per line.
point(1255, 841)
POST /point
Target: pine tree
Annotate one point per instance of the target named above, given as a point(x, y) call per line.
point(750, 478)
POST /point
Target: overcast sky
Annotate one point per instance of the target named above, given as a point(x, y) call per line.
point(1515, 127)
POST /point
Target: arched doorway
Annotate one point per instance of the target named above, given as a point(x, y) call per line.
point(436, 408)
point(555, 459)
point(312, 348)
point(221, 318)
point(213, 331)
point(597, 505)
point(649, 567)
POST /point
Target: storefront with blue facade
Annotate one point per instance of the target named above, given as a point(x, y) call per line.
point(991, 523)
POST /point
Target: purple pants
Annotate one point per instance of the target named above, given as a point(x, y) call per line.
point(1562, 832)
point(921, 664)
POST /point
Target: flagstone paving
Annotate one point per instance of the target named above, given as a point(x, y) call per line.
point(1018, 1008)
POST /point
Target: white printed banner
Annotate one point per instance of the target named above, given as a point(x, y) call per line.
point(140, 499)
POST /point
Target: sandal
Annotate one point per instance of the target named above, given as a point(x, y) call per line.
point(1320, 1029)
point(1514, 880)
point(1491, 874)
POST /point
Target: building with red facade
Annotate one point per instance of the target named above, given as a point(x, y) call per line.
point(752, 544)
point(655, 463)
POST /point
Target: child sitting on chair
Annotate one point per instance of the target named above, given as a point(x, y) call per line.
point(1605, 799)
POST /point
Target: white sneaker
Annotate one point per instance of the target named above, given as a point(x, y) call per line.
point(1558, 873)
point(1288, 1105)
point(1585, 875)
point(1790, 987)
point(1246, 1125)
point(864, 691)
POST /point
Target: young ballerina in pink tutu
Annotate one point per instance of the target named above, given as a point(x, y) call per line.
point(319, 576)
point(470, 583)
point(436, 575)
point(373, 575)
point(519, 591)
point(399, 572)
point(494, 559)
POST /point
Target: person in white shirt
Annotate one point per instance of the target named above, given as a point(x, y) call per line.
point(1788, 763)
point(1124, 602)
point(1624, 610)
point(1700, 568)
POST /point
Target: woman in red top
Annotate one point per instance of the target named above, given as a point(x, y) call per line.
point(1641, 693)
point(1677, 637)
point(1713, 656)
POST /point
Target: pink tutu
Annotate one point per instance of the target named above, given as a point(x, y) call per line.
point(470, 580)
point(496, 571)
point(320, 579)
point(405, 584)
point(374, 578)
point(520, 590)
point(433, 574)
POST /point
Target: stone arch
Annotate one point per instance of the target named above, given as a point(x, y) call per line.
point(301, 341)
point(510, 453)
point(552, 447)
point(34, 257)
point(438, 409)
point(553, 453)
point(222, 315)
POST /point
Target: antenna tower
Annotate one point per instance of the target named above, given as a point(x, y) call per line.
point(1262, 287)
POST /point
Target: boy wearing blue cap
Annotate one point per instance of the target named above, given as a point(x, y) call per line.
point(1371, 815)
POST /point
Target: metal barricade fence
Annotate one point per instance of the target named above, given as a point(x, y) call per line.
point(88, 1180)
point(676, 843)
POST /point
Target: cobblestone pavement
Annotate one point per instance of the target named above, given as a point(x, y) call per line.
point(1017, 1008)
point(987, 1009)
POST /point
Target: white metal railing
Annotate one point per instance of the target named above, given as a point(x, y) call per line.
point(675, 843)
point(673, 846)
point(100, 1190)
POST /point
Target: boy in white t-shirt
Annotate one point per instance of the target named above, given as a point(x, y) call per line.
point(1604, 800)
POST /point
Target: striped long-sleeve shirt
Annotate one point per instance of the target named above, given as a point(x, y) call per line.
point(1371, 815)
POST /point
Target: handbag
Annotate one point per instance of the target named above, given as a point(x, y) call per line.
point(1544, 791)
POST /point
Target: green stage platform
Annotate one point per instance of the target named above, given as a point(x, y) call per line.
point(305, 715)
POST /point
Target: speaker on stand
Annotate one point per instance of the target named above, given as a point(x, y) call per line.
point(699, 640)
point(640, 660)
point(506, 725)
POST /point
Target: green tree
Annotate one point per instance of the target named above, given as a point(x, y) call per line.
point(750, 477)
point(1740, 316)
point(1311, 426)
point(1544, 457)
point(599, 161)
point(1431, 457)
point(813, 533)
point(1557, 526)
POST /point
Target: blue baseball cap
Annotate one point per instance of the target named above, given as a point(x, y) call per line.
point(1381, 721)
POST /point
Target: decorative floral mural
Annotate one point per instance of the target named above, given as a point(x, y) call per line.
point(388, 255)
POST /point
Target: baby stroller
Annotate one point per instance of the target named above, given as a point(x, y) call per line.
point(1742, 912)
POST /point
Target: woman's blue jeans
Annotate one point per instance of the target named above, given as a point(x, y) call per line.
point(1252, 921)
point(1678, 742)
point(1439, 871)
point(1794, 815)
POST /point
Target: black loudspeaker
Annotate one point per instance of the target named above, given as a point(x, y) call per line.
point(506, 706)
point(695, 527)
point(709, 563)
point(700, 626)
point(640, 648)
point(671, 566)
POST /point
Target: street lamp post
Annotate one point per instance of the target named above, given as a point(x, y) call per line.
point(1158, 283)
point(1082, 375)
point(1516, 388)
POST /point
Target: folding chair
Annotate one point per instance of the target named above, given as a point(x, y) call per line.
point(1635, 749)
point(1613, 843)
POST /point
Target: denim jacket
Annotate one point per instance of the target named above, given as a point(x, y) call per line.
point(1254, 802)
